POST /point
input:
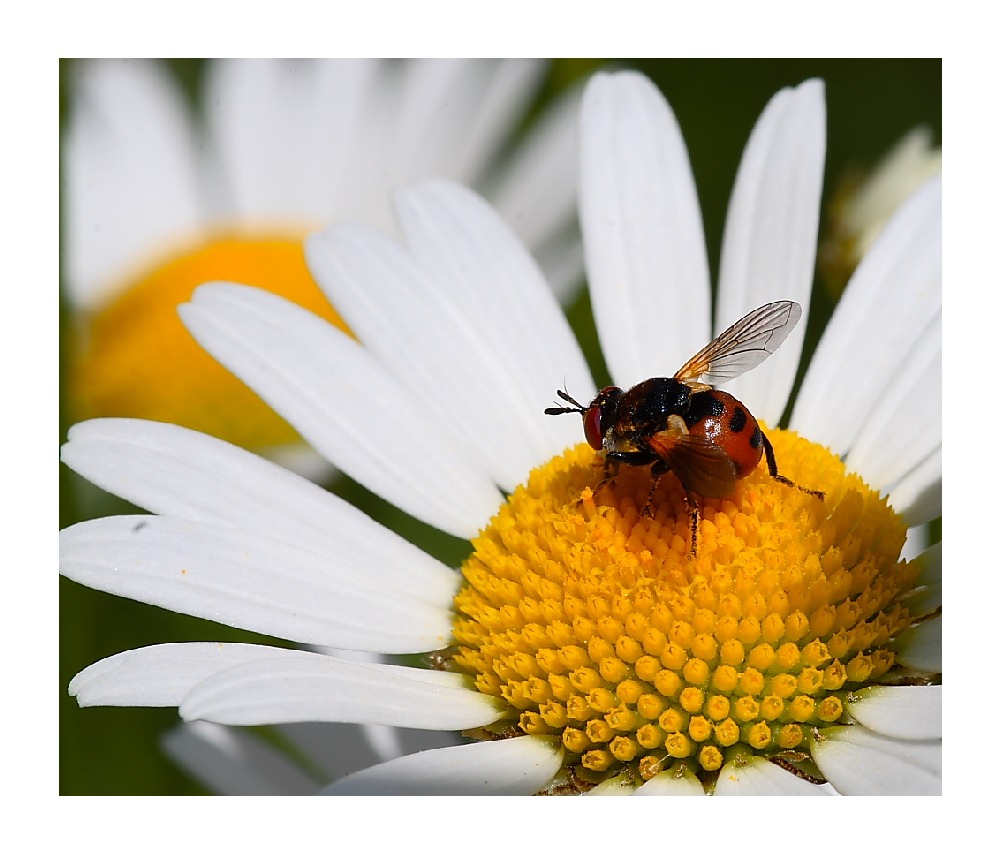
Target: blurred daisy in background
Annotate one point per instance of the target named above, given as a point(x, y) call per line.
point(581, 648)
point(864, 202)
point(158, 199)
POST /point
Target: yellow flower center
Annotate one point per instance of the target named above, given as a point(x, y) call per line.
point(136, 358)
point(594, 622)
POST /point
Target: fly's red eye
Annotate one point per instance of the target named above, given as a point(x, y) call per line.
point(592, 427)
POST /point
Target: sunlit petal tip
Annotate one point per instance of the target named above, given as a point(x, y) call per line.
point(305, 686)
point(160, 675)
point(520, 766)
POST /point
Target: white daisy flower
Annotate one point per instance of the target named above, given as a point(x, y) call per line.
point(863, 204)
point(582, 648)
point(158, 201)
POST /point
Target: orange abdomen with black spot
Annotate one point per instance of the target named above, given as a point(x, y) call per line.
point(725, 422)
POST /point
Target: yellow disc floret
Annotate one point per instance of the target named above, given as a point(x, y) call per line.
point(594, 621)
point(136, 358)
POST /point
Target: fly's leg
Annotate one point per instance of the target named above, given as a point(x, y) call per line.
point(772, 467)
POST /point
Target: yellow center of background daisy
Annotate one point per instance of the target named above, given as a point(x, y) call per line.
point(136, 359)
point(595, 623)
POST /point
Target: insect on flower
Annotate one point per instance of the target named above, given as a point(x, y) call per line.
point(682, 424)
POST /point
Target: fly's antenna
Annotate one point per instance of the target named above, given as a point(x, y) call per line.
point(565, 396)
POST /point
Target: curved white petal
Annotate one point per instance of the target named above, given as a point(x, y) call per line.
point(130, 170)
point(494, 286)
point(305, 686)
point(343, 403)
point(234, 762)
point(160, 675)
point(247, 580)
point(423, 339)
point(759, 777)
point(889, 307)
point(512, 767)
point(642, 229)
point(919, 647)
point(859, 762)
point(769, 245)
point(903, 712)
point(173, 471)
point(670, 783)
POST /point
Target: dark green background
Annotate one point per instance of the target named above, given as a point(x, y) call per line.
point(870, 105)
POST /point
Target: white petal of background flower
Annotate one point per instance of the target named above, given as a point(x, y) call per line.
point(247, 580)
point(279, 134)
point(173, 471)
point(859, 762)
point(160, 675)
point(519, 766)
point(129, 115)
point(234, 762)
point(769, 245)
point(643, 237)
point(536, 192)
point(481, 267)
point(760, 777)
point(304, 686)
point(668, 784)
point(890, 304)
point(344, 404)
point(919, 647)
point(903, 712)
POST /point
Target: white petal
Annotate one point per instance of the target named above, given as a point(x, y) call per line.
point(536, 193)
point(890, 306)
point(769, 246)
point(928, 596)
point(859, 762)
point(760, 777)
point(903, 712)
point(234, 762)
point(497, 290)
point(514, 767)
point(281, 131)
point(672, 784)
point(337, 749)
point(918, 495)
point(919, 647)
point(904, 428)
point(343, 403)
point(130, 171)
point(247, 580)
point(305, 686)
point(623, 785)
point(174, 471)
point(159, 676)
point(643, 237)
